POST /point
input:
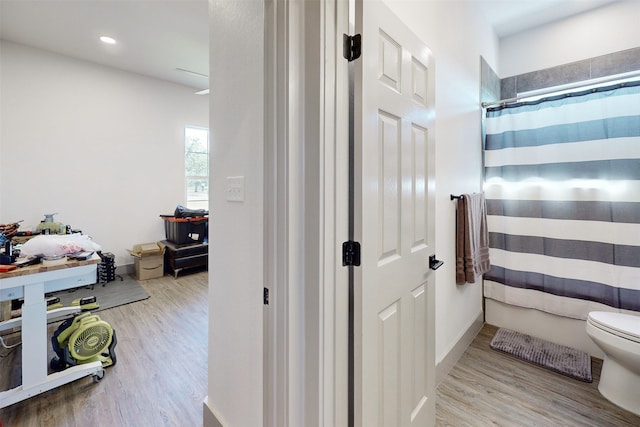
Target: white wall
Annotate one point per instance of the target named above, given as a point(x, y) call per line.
point(236, 273)
point(608, 29)
point(102, 147)
point(457, 35)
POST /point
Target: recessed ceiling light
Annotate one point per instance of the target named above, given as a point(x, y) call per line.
point(107, 40)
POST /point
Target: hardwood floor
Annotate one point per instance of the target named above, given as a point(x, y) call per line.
point(160, 378)
point(488, 388)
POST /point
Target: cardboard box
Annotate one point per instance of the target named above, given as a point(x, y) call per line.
point(144, 250)
point(148, 260)
point(150, 267)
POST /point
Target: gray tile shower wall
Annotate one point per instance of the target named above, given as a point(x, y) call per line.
point(489, 83)
point(490, 89)
point(616, 63)
point(599, 66)
point(508, 88)
point(560, 75)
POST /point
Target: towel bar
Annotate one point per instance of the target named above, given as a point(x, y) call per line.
point(457, 197)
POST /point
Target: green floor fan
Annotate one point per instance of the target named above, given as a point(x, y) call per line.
point(84, 338)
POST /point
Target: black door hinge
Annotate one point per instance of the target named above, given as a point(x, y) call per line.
point(265, 296)
point(351, 253)
point(352, 47)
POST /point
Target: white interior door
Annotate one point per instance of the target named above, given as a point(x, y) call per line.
point(394, 221)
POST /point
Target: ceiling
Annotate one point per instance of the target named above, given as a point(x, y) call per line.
point(154, 37)
point(161, 38)
point(509, 17)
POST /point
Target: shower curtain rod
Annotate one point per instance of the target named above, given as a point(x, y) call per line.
point(568, 86)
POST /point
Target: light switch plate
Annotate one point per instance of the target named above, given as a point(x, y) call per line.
point(235, 189)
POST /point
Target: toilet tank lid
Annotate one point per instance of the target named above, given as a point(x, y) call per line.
point(626, 324)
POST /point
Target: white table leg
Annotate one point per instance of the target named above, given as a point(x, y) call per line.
point(34, 330)
point(34, 336)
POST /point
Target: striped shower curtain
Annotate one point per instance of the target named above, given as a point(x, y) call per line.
point(562, 183)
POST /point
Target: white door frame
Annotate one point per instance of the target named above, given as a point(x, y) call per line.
point(306, 205)
point(306, 213)
point(335, 207)
point(275, 315)
point(334, 204)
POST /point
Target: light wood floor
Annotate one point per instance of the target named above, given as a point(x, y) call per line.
point(161, 377)
point(488, 388)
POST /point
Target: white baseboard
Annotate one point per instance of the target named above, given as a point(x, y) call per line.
point(209, 419)
point(126, 269)
point(450, 360)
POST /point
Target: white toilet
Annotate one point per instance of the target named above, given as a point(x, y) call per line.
point(618, 336)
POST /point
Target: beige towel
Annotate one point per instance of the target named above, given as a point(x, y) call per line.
point(472, 238)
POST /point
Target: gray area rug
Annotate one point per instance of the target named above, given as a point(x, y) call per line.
point(112, 294)
point(558, 358)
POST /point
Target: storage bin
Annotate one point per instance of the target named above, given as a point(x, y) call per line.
point(185, 230)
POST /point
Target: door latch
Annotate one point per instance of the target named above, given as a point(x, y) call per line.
point(434, 264)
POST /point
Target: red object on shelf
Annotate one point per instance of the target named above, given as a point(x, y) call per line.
point(5, 269)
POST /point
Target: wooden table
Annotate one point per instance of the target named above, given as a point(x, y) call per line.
point(32, 283)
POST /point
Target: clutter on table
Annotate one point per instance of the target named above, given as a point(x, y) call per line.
point(52, 243)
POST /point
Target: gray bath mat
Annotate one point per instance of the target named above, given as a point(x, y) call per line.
point(558, 358)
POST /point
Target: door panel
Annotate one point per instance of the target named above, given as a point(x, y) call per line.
point(394, 354)
point(418, 161)
point(391, 61)
point(390, 185)
point(390, 364)
point(419, 351)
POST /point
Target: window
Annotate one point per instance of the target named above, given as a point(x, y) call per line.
point(196, 167)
